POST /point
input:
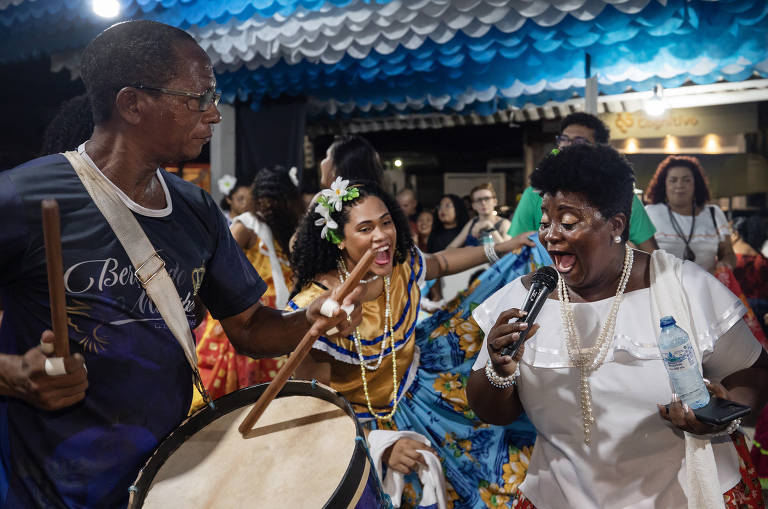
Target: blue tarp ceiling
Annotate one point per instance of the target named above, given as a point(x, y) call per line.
point(357, 57)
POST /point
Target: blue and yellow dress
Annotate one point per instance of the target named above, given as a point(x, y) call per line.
point(482, 463)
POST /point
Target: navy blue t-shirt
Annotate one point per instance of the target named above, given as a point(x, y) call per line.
point(140, 384)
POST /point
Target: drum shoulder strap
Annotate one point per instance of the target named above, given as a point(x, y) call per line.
point(149, 266)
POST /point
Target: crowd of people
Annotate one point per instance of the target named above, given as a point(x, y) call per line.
point(582, 415)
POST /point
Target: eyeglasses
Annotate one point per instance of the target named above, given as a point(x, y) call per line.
point(204, 100)
point(482, 199)
point(563, 140)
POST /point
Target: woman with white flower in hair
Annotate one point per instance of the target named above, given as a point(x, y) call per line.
point(400, 383)
point(237, 197)
point(263, 232)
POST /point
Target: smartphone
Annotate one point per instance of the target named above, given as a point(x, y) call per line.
point(721, 411)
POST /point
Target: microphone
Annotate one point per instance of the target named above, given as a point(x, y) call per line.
point(544, 281)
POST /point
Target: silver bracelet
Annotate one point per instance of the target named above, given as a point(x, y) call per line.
point(500, 382)
point(490, 252)
point(732, 427)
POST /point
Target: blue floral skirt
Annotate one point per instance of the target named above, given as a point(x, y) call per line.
point(483, 464)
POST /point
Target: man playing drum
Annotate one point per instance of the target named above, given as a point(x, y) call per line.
point(76, 437)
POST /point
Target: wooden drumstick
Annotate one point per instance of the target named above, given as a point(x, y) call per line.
point(302, 349)
point(52, 235)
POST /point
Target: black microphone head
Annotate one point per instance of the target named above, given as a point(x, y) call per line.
point(547, 276)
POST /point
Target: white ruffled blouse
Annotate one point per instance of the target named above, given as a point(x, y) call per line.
point(637, 459)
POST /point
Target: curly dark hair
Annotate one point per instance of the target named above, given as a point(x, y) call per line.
point(313, 255)
point(656, 192)
point(602, 133)
point(130, 53)
point(354, 158)
point(752, 229)
point(224, 204)
point(598, 172)
point(278, 203)
point(72, 125)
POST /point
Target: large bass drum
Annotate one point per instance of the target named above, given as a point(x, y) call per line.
point(306, 451)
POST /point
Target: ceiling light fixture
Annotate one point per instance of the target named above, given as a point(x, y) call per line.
point(655, 106)
point(106, 8)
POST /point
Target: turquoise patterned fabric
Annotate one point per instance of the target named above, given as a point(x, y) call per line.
point(483, 463)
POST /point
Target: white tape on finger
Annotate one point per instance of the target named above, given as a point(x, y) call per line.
point(348, 308)
point(54, 366)
point(329, 308)
point(332, 331)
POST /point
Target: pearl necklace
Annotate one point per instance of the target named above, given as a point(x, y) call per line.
point(343, 268)
point(387, 320)
point(388, 328)
point(590, 359)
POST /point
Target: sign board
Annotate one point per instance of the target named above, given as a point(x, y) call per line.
point(726, 119)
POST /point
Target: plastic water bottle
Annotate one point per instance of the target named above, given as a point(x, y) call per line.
point(680, 361)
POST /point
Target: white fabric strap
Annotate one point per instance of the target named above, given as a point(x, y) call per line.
point(431, 477)
point(669, 299)
point(263, 231)
point(150, 267)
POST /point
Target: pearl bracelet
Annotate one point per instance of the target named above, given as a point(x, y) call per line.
point(490, 252)
point(500, 382)
point(732, 427)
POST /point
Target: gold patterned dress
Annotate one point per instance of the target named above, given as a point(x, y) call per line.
point(483, 464)
point(221, 368)
point(345, 363)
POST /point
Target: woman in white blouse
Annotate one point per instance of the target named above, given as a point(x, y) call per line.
point(590, 376)
point(685, 225)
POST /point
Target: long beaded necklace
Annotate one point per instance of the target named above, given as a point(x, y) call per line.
point(387, 317)
point(589, 360)
point(388, 328)
point(688, 253)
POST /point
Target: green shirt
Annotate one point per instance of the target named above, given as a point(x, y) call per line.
point(528, 216)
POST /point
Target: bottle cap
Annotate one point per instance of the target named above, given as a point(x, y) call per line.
point(667, 321)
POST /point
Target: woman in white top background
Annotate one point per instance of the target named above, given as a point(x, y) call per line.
point(686, 226)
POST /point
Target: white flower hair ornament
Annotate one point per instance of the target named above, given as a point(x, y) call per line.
point(330, 200)
point(226, 183)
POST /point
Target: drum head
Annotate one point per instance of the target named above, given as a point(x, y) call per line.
point(300, 452)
